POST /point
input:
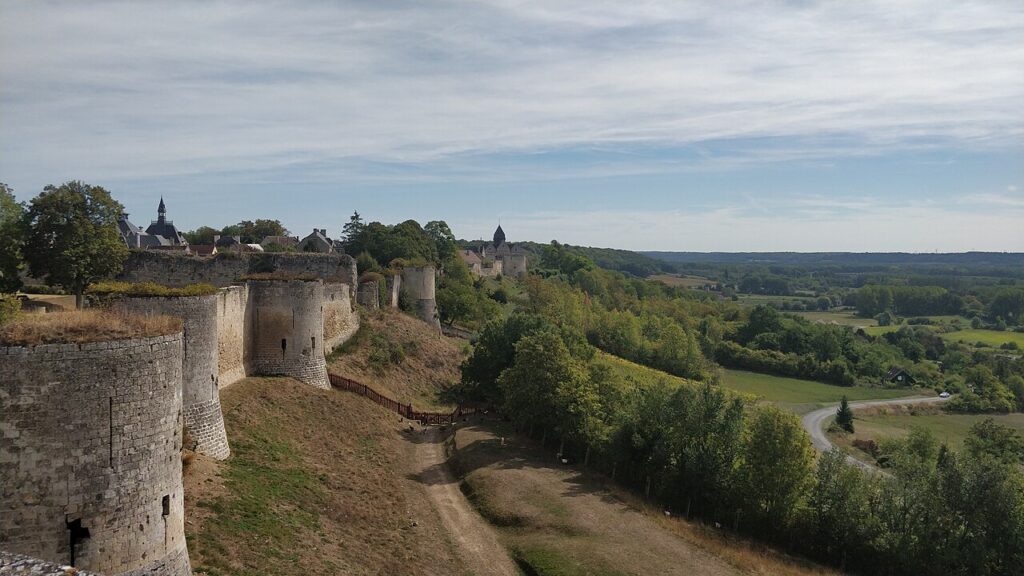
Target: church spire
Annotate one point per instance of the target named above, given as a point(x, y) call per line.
point(499, 236)
point(161, 211)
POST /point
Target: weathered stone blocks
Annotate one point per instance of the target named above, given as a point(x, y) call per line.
point(288, 330)
point(90, 455)
point(420, 284)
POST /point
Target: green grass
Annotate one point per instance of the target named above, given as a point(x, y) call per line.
point(844, 318)
point(633, 374)
point(991, 338)
point(948, 428)
point(802, 396)
point(879, 330)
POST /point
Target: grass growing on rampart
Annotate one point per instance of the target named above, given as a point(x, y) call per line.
point(279, 276)
point(81, 326)
point(149, 289)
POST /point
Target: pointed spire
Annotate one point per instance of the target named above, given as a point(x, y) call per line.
point(161, 209)
point(499, 236)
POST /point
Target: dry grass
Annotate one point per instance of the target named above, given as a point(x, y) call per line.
point(150, 289)
point(319, 482)
point(562, 520)
point(81, 326)
point(428, 364)
point(279, 276)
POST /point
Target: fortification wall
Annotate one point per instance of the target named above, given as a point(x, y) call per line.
point(200, 397)
point(340, 318)
point(172, 269)
point(420, 284)
point(369, 295)
point(18, 565)
point(90, 437)
point(232, 327)
point(288, 330)
point(392, 291)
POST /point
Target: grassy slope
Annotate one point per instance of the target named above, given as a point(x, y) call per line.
point(844, 318)
point(430, 365)
point(316, 484)
point(802, 396)
point(991, 338)
point(949, 428)
point(560, 521)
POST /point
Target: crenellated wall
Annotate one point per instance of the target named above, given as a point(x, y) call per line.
point(200, 397)
point(90, 445)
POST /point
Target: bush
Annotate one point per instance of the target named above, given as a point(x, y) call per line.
point(9, 308)
point(385, 353)
point(148, 289)
point(43, 289)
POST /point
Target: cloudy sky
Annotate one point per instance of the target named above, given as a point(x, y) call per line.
point(862, 126)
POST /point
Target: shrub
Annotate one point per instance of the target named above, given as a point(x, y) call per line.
point(370, 277)
point(42, 289)
point(149, 289)
point(9, 308)
point(869, 446)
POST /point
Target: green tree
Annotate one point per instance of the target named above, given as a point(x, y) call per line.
point(776, 467)
point(352, 231)
point(444, 239)
point(72, 237)
point(844, 415)
point(202, 235)
point(11, 240)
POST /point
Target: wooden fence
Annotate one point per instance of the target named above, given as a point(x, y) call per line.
point(406, 410)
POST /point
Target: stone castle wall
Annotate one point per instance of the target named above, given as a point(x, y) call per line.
point(420, 284)
point(232, 327)
point(369, 295)
point(172, 269)
point(393, 289)
point(288, 330)
point(91, 437)
point(340, 320)
point(200, 396)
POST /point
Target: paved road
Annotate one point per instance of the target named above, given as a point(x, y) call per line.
point(813, 422)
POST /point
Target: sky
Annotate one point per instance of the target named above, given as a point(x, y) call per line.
point(645, 125)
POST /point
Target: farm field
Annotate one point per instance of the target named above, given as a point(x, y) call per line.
point(991, 338)
point(948, 428)
point(802, 396)
point(682, 281)
point(838, 317)
point(634, 374)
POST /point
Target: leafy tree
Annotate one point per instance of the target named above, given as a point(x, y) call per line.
point(776, 467)
point(202, 235)
point(844, 415)
point(11, 240)
point(365, 262)
point(534, 386)
point(495, 351)
point(72, 236)
point(443, 238)
point(254, 232)
point(840, 510)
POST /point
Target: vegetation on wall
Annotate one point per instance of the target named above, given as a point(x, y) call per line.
point(11, 240)
point(152, 289)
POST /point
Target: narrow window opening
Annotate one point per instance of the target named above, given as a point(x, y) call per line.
point(110, 429)
point(76, 533)
point(166, 504)
point(313, 338)
point(284, 344)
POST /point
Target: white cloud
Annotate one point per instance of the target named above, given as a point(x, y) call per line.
point(140, 90)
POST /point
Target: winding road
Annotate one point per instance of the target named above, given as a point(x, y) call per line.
point(813, 422)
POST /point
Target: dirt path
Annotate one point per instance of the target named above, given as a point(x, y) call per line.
point(472, 535)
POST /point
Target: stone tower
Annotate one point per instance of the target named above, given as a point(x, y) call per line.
point(288, 330)
point(90, 455)
point(419, 282)
point(200, 396)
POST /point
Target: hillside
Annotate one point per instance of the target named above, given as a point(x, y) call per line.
point(402, 357)
point(319, 482)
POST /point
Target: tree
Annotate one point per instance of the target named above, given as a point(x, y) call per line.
point(351, 232)
point(202, 235)
point(844, 415)
point(72, 237)
point(443, 237)
point(776, 466)
point(11, 239)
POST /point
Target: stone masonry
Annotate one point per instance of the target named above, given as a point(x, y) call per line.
point(90, 455)
point(420, 284)
point(288, 330)
point(200, 396)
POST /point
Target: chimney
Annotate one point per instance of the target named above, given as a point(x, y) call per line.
point(323, 231)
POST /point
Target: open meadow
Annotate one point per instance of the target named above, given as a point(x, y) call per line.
point(802, 396)
point(896, 422)
point(991, 338)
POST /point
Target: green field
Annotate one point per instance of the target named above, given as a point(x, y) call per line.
point(948, 428)
point(879, 330)
point(802, 396)
point(991, 338)
point(844, 318)
point(635, 374)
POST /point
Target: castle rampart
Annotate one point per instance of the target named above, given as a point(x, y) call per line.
point(172, 269)
point(288, 330)
point(340, 320)
point(90, 455)
point(419, 283)
point(200, 397)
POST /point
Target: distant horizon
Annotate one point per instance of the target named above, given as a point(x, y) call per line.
point(666, 126)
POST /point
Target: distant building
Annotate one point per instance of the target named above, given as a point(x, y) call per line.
point(317, 242)
point(897, 375)
point(512, 258)
point(161, 233)
point(204, 250)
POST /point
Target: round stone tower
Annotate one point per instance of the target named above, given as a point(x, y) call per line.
point(200, 397)
point(90, 455)
point(288, 330)
point(420, 283)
